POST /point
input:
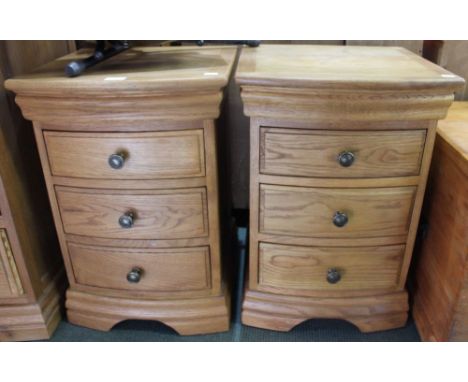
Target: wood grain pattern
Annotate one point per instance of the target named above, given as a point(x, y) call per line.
point(187, 316)
point(453, 131)
point(341, 67)
point(29, 321)
point(283, 312)
point(305, 268)
point(309, 212)
point(306, 105)
point(159, 104)
point(415, 46)
point(329, 83)
point(440, 269)
point(137, 71)
point(460, 319)
point(170, 270)
point(314, 153)
point(355, 105)
point(10, 282)
point(142, 110)
point(147, 155)
point(30, 253)
point(5, 289)
point(158, 214)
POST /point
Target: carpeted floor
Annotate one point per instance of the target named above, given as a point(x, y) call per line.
point(312, 330)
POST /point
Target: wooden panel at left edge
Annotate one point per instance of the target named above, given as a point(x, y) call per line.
point(25, 208)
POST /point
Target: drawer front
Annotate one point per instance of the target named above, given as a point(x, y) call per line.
point(313, 212)
point(168, 270)
point(175, 154)
point(307, 268)
point(364, 154)
point(10, 283)
point(155, 214)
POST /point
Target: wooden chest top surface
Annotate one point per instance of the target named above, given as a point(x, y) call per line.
point(139, 69)
point(341, 67)
point(454, 129)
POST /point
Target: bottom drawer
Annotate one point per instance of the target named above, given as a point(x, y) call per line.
point(157, 270)
point(326, 269)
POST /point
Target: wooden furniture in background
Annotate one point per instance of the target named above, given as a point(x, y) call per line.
point(128, 150)
point(440, 271)
point(340, 145)
point(32, 280)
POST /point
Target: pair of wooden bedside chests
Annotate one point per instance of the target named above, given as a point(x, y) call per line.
point(340, 146)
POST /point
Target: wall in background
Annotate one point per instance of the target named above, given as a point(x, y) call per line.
point(453, 56)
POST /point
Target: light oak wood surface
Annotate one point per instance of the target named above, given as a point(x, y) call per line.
point(32, 280)
point(305, 268)
point(309, 212)
point(455, 133)
point(440, 270)
point(415, 46)
point(283, 312)
point(314, 153)
point(181, 269)
point(146, 155)
point(187, 316)
point(307, 104)
point(10, 282)
point(157, 214)
point(157, 107)
point(341, 67)
point(138, 71)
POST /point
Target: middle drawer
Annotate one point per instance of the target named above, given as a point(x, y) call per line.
point(132, 214)
point(334, 212)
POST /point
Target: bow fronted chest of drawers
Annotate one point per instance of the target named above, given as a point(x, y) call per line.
point(128, 151)
point(340, 146)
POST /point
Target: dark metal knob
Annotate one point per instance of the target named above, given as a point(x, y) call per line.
point(346, 158)
point(134, 276)
point(116, 161)
point(340, 219)
point(126, 220)
point(333, 276)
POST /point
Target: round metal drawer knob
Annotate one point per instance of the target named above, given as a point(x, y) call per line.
point(134, 276)
point(340, 219)
point(116, 161)
point(346, 158)
point(127, 220)
point(333, 276)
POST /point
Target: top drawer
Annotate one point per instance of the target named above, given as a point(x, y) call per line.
point(153, 155)
point(341, 154)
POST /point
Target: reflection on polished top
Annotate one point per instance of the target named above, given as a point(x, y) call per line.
point(135, 71)
point(342, 67)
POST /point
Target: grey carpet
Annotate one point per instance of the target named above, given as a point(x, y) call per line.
point(309, 331)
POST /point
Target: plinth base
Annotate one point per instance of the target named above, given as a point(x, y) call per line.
point(282, 313)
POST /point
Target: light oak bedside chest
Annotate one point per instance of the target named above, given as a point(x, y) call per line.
point(341, 142)
point(128, 151)
point(440, 272)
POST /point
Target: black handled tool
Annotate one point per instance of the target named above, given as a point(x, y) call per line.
point(101, 53)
